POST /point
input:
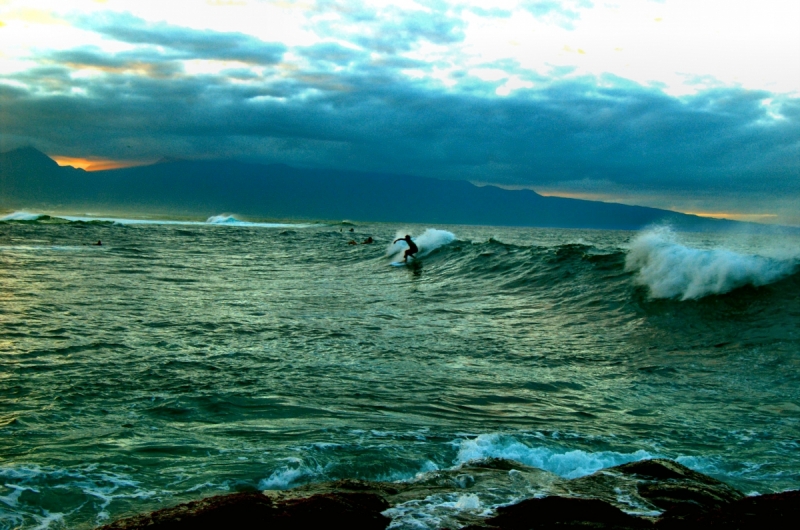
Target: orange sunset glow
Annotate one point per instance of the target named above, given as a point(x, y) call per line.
point(93, 163)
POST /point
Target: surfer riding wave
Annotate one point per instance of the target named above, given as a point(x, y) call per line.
point(412, 247)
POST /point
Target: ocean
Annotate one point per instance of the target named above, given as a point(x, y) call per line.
point(184, 359)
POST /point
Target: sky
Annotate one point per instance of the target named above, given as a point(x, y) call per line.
point(689, 105)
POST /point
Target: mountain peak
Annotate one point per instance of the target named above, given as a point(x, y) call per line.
point(26, 156)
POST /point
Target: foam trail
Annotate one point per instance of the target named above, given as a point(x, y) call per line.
point(672, 270)
point(428, 241)
point(568, 464)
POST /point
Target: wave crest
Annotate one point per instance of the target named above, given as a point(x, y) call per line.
point(671, 270)
point(428, 241)
point(565, 463)
point(21, 216)
point(222, 219)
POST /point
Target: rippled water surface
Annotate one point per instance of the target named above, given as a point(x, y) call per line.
point(179, 361)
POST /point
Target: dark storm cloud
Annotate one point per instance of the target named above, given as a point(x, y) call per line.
point(575, 135)
point(185, 42)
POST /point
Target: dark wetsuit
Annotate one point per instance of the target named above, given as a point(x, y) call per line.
point(412, 248)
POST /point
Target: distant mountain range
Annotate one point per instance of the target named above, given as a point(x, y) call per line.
point(29, 179)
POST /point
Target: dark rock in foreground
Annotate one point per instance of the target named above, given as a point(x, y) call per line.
point(677, 489)
point(564, 513)
point(663, 495)
point(359, 511)
point(776, 511)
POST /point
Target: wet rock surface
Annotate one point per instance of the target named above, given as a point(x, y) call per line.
point(657, 494)
point(360, 511)
point(775, 511)
point(563, 513)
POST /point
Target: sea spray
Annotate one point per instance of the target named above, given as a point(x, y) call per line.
point(428, 241)
point(672, 270)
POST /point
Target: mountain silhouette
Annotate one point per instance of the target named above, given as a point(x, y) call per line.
point(30, 179)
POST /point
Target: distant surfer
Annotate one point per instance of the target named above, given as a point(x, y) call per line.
point(98, 244)
point(412, 247)
point(368, 241)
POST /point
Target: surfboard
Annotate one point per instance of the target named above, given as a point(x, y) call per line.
point(398, 264)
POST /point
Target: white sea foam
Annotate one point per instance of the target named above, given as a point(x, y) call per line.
point(86, 481)
point(470, 501)
point(47, 519)
point(566, 463)
point(428, 241)
point(288, 475)
point(435, 511)
point(672, 270)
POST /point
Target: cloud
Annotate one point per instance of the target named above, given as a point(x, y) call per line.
point(389, 29)
point(183, 42)
point(352, 105)
point(372, 118)
point(563, 13)
point(144, 62)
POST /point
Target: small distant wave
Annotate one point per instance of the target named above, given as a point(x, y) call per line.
point(21, 216)
point(672, 270)
point(222, 219)
point(41, 218)
point(226, 220)
point(232, 220)
point(428, 241)
point(565, 463)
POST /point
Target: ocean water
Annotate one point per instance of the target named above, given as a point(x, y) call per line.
point(183, 359)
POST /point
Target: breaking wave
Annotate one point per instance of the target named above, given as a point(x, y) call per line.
point(671, 270)
point(21, 216)
point(430, 240)
point(565, 463)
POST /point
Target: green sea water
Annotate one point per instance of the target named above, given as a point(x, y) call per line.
point(177, 361)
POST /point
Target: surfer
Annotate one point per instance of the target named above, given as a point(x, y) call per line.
point(99, 243)
point(412, 248)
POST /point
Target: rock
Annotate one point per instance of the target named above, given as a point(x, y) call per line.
point(336, 510)
point(683, 498)
point(677, 489)
point(360, 511)
point(239, 509)
point(776, 511)
point(564, 513)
